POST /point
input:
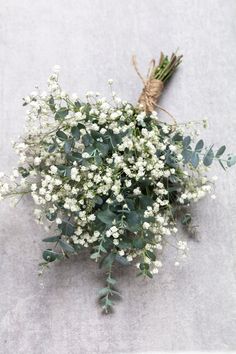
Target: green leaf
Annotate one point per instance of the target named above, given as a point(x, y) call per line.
point(111, 281)
point(75, 156)
point(187, 154)
point(68, 146)
point(149, 274)
point(177, 137)
point(104, 292)
point(49, 255)
point(208, 158)
point(133, 221)
point(66, 246)
point(77, 105)
point(195, 159)
point(199, 146)
point(98, 200)
point(61, 135)
point(94, 255)
point(122, 260)
point(67, 228)
point(231, 161)
point(61, 113)
point(51, 104)
point(103, 148)
point(220, 151)
point(75, 132)
point(144, 266)
point(186, 219)
point(64, 170)
point(106, 216)
point(139, 243)
point(23, 171)
point(107, 261)
point(151, 255)
point(87, 140)
point(51, 216)
point(186, 141)
point(51, 239)
point(52, 148)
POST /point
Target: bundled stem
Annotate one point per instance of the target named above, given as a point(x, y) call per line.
point(157, 76)
point(166, 67)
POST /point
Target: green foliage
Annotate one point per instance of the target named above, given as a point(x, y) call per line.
point(66, 246)
point(61, 113)
point(51, 239)
point(67, 228)
point(106, 216)
point(186, 219)
point(133, 221)
point(61, 135)
point(208, 158)
point(231, 161)
point(220, 151)
point(50, 256)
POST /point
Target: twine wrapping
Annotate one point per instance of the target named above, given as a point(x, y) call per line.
point(152, 88)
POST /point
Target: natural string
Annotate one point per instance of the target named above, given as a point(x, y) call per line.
point(156, 86)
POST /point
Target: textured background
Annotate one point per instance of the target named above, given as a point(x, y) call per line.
point(189, 308)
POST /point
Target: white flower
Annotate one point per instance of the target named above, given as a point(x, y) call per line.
point(121, 252)
point(34, 187)
point(146, 225)
point(119, 198)
point(37, 161)
point(213, 196)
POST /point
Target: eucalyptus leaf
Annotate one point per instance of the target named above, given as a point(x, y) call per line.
point(133, 221)
point(106, 216)
point(208, 158)
point(75, 132)
point(186, 219)
point(61, 135)
point(66, 246)
point(220, 151)
point(51, 239)
point(231, 161)
point(139, 243)
point(52, 148)
point(49, 255)
point(199, 146)
point(186, 141)
point(61, 113)
point(122, 260)
point(67, 228)
point(150, 255)
point(195, 159)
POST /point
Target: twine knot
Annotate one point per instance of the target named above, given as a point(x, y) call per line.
point(152, 88)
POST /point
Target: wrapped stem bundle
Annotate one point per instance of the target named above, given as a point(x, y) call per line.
point(157, 76)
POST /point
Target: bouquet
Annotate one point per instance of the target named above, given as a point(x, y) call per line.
point(110, 176)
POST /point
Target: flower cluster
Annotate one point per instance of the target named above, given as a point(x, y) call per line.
point(106, 176)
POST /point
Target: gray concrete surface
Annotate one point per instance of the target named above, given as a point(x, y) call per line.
point(191, 308)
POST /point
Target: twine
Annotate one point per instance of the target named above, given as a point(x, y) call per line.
point(152, 89)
